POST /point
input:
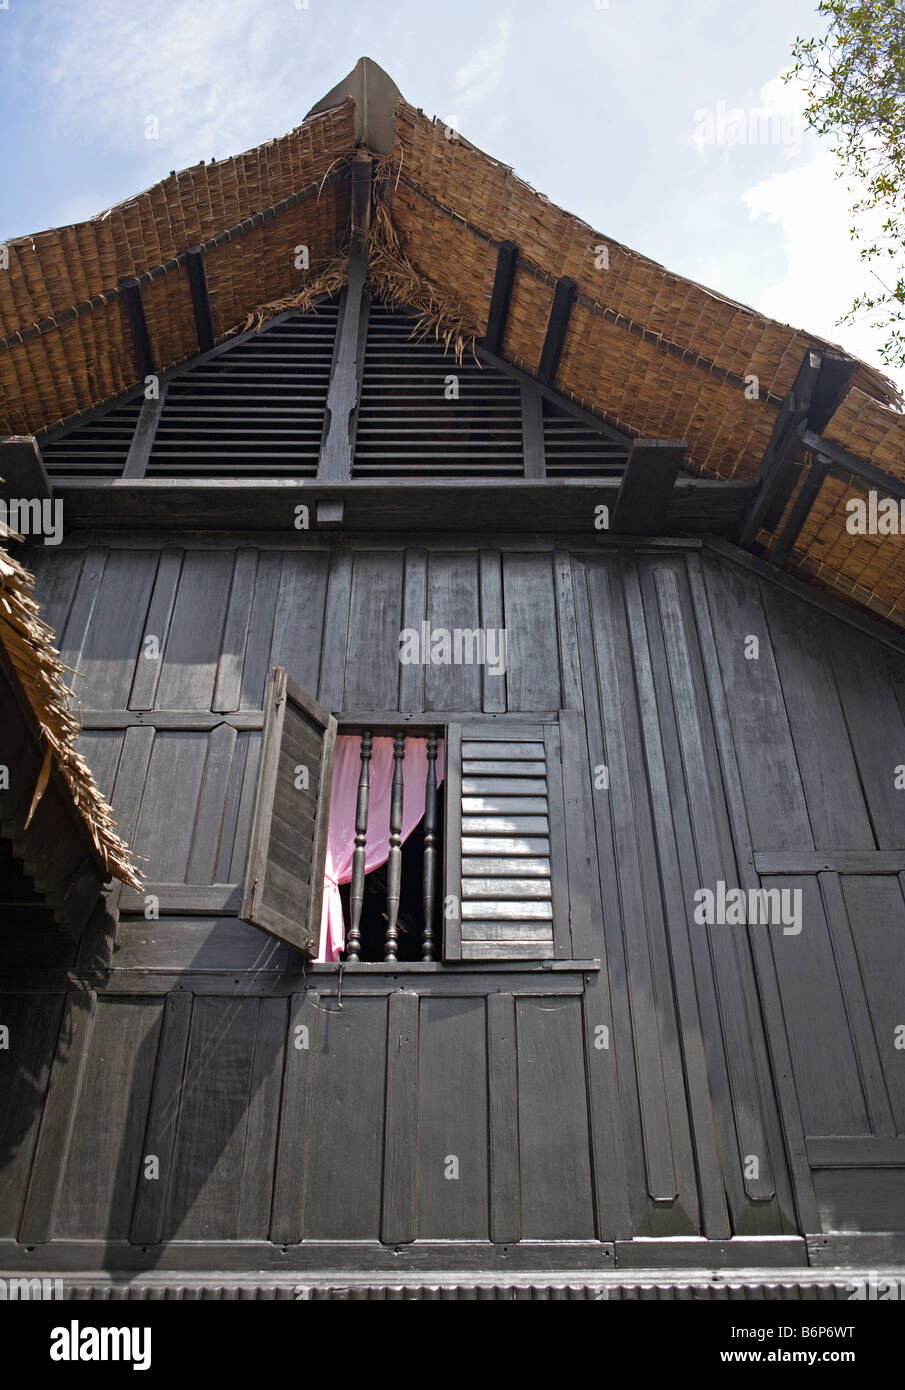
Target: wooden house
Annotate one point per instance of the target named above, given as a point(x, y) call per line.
point(363, 444)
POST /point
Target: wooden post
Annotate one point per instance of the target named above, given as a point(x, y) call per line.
point(394, 861)
point(430, 848)
point(357, 890)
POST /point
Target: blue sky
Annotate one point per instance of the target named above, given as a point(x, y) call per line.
point(662, 123)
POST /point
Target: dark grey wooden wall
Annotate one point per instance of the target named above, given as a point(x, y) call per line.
point(703, 1081)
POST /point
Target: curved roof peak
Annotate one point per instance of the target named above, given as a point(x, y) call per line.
point(375, 95)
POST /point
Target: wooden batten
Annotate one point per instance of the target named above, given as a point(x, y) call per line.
point(557, 327)
point(138, 326)
point(194, 264)
point(503, 280)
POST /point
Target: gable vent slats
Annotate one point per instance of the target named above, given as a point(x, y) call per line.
point(409, 425)
point(96, 449)
point(575, 449)
point(255, 410)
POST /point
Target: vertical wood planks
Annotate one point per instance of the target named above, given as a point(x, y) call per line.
point(450, 1137)
point(553, 1123)
point(287, 1222)
point(151, 1203)
point(490, 579)
point(345, 1163)
point(25, 1067)
point(105, 1156)
point(60, 1114)
point(770, 999)
point(414, 610)
point(157, 626)
point(228, 684)
point(398, 1217)
point(505, 1197)
point(262, 1128)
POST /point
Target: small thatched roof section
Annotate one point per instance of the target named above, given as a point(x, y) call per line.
point(28, 642)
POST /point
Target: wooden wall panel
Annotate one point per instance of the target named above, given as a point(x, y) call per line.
point(205, 1188)
point(452, 600)
point(375, 622)
point(33, 1023)
point(646, 1029)
point(344, 1158)
point(105, 1159)
point(554, 1151)
point(532, 641)
point(876, 913)
point(452, 1121)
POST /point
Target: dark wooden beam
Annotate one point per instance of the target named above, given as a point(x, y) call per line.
point(22, 471)
point(503, 280)
point(401, 505)
point(845, 462)
point(799, 513)
point(557, 325)
point(335, 463)
point(204, 330)
point(533, 432)
point(361, 193)
point(136, 465)
point(646, 488)
point(138, 324)
point(832, 384)
point(776, 466)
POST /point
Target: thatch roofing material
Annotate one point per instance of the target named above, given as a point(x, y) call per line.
point(28, 642)
point(64, 326)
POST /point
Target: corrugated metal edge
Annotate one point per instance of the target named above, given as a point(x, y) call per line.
point(754, 1286)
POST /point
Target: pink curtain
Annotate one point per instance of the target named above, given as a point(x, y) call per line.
point(341, 834)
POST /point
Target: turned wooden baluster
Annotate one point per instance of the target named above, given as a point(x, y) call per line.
point(394, 861)
point(430, 848)
point(357, 890)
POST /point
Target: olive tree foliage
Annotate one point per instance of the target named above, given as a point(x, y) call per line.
point(854, 80)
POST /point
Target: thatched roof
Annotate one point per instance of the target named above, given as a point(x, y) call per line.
point(647, 350)
point(28, 643)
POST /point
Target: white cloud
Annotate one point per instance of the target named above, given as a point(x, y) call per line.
point(823, 270)
point(476, 79)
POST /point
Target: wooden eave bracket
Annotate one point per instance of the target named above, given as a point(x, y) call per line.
point(646, 488)
point(22, 471)
point(815, 396)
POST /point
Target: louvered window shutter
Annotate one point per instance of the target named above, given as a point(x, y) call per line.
point(284, 874)
point(506, 893)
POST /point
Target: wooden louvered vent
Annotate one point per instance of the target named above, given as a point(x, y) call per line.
point(574, 449)
point(407, 425)
point(257, 409)
point(96, 449)
point(252, 409)
point(503, 842)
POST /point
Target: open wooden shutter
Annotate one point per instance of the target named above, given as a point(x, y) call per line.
point(284, 874)
point(506, 893)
